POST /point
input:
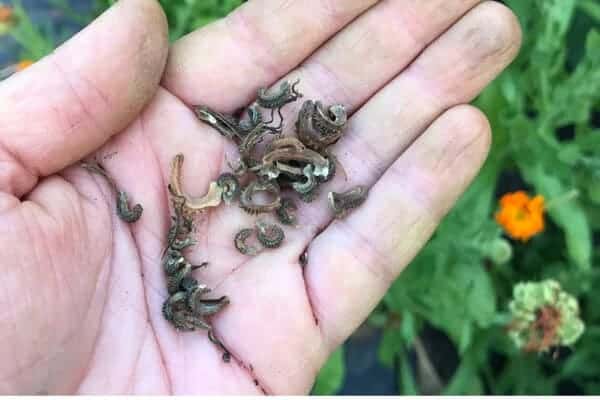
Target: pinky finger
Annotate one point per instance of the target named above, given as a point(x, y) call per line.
point(354, 261)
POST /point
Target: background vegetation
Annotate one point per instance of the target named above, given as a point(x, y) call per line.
point(445, 320)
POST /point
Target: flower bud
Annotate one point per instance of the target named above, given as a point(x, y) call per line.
point(500, 251)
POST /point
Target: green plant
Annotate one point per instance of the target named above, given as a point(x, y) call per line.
point(551, 90)
point(35, 41)
point(187, 15)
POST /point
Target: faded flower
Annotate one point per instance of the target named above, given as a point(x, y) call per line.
point(543, 316)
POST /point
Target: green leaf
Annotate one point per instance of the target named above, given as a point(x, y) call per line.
point(331, 377)
point(408, 327)
point(406, 379)
point(569, 216)
point(35, 41)
point(389, 346)
point(591, 8)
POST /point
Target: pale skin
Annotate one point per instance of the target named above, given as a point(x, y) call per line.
point(81, 291)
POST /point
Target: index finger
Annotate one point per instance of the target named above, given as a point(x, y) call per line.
point(224, 63)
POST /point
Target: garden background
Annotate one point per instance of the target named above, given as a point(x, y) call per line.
point(458, 321)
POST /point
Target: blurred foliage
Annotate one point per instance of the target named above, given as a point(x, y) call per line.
point(332, 374)
point(542, 110)
point(35, 40)
point(545, 114)
point(187, 15)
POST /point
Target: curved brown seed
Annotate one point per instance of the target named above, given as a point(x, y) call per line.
point(309, 184)
point(286, 213)
point(248, 203)
point(192, 204)
point(318, 127)
point(230, 185)
point(342, 203)
point(240, 242)
point(284, 94)
point(269, 235)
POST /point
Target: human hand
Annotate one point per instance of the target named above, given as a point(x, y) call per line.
point(82, 291)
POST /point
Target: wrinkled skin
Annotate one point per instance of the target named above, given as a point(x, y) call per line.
point(82, 291)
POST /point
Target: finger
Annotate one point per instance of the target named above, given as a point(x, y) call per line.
point(72, 101)
point(451, 71)
point(224, 63)
point(371, 51)
point(353, 262)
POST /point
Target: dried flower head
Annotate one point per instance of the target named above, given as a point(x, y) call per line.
point(521, 216)
point(543, 316)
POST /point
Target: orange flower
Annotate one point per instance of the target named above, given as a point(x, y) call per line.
point(521, 216)
point(23, 64)
point(6, 14)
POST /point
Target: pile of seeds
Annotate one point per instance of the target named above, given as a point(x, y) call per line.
point(270, 163)
point(300, 164)
point(186, 308)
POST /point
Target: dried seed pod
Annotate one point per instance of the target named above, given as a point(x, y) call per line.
point(225, 124)
point(310, 184)
point(230, 185)
point(206, 307)
point(272, 99)
point(286, 212)
point(168, 305)
point(318, 127)
point(247, 198)
point(304, 156)
point(173, 261)
point(185, 321)
point(180, 244)
point(174, 280)
point(254, 118)
point(330, 121)
point(180, 223)
point(179, 226)
point(124, 211)
point(190, 204)
point(167, 311)
point(239, 168)
point(309, 197)
point(194, 295)
point(189, 284)
point(240, 242)
point(173, 232)
point(294, 172)
point(198, 322)
point(269, 235)
point(287, 142)
point(246, 147)
point(332, 159)
point(342, 203)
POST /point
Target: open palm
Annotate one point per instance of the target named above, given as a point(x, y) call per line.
point(82, 291)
